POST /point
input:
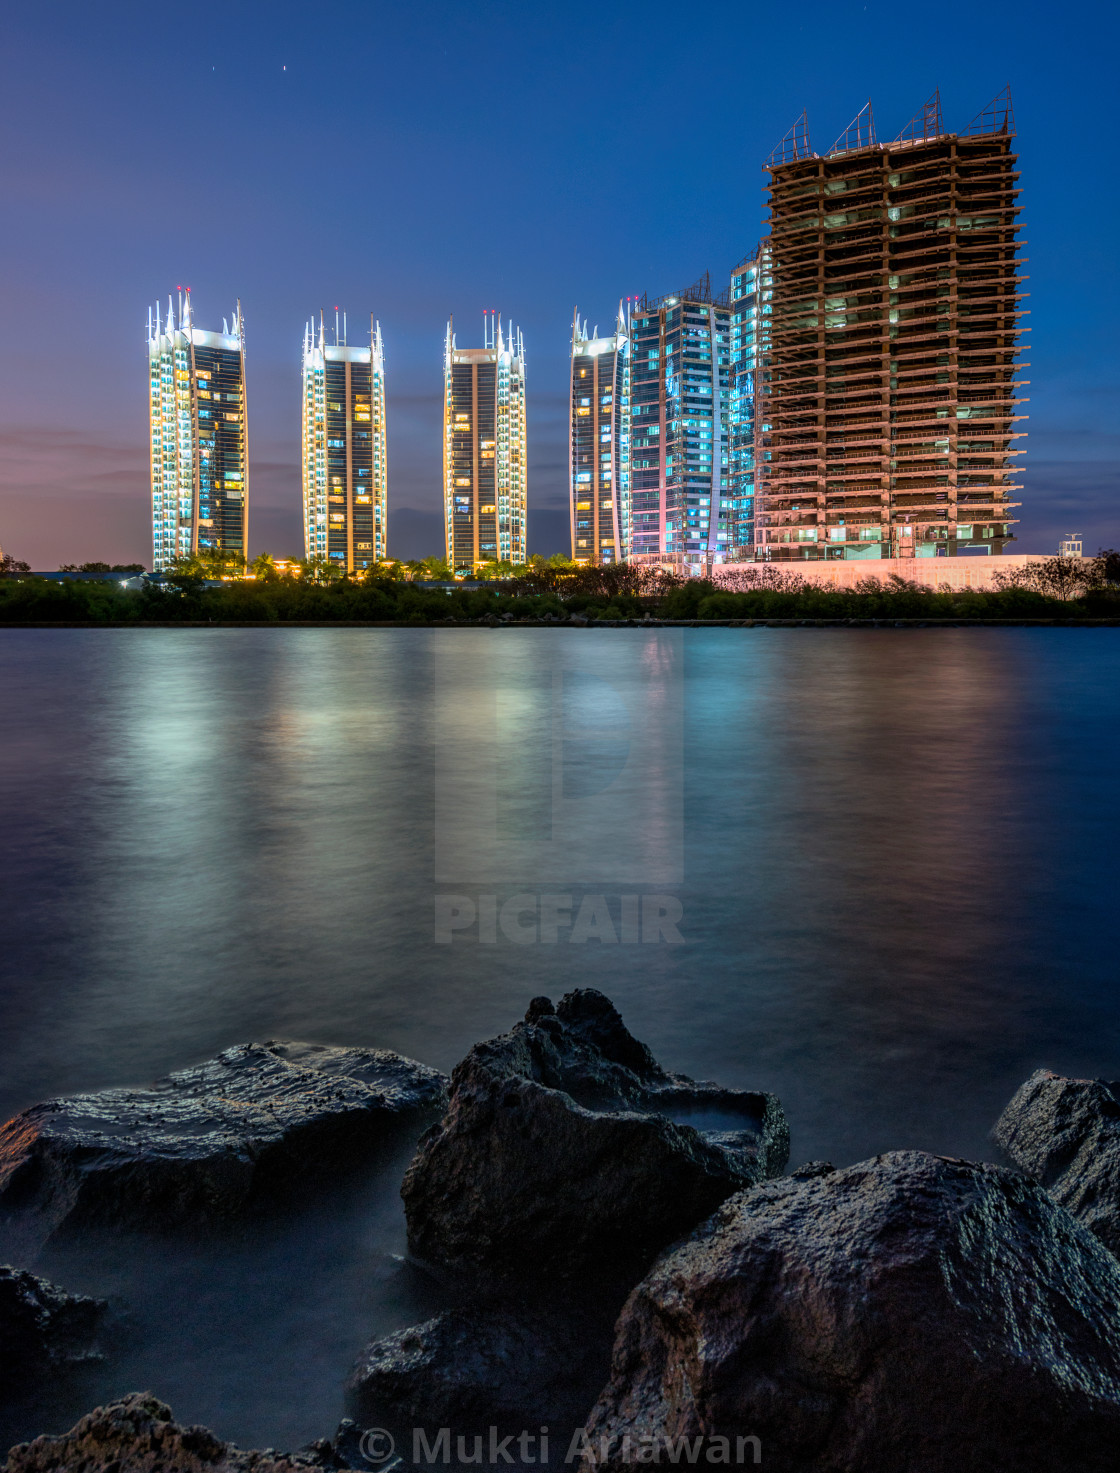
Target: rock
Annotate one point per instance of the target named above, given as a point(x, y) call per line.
point(42, 1328)
point(205, 1144)
point(1066, 1134)
point(910, 1314)
point(566, 1147)
point(483, 1365)
point(137, 1435)
point(808, 1169)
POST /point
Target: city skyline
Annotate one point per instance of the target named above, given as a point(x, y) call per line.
point(72, 465)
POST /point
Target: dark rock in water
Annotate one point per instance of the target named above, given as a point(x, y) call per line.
point(566, 1146)
point(137, 1435)
point(204, 1144)
point(480, 1366)
point(42, 1328)
point(1066, 1134)
point(910, 1314)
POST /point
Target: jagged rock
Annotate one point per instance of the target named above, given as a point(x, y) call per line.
point(1066, 1134)
point(910, 1314)
point(566, 1147)
point(42, 1328)
point(485, 1365)
point(137, 1435)
point(204, 1144)
point(808, 1169)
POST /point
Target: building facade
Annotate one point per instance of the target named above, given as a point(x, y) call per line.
point(749, 337)
point(889, 398)
point(344, 449)
point(485, 451)
point(198, 436)
point(599, 443)
point(679, 430)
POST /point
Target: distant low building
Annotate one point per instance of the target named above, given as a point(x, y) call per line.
point(199, 435)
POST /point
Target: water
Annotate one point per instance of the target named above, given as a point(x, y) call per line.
point(899, 897)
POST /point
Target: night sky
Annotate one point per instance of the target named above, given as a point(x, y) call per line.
point(422, 159)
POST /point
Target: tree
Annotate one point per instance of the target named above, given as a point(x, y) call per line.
point(436, 567)
point(389, 570)
point(102, 568)
point(11, 567)
point(1109, 559)
point(264, 567)
point(320, 569)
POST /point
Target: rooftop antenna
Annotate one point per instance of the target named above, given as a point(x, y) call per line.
point(336, 325)
point(344, 329)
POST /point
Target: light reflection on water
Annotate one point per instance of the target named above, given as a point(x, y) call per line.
point(899, 898)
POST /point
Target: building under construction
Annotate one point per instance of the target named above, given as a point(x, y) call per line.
point(889, 403)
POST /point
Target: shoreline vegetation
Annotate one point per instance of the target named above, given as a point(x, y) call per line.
point(547, 592)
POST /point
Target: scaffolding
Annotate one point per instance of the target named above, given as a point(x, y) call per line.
point(795, 144)
point(860, 133)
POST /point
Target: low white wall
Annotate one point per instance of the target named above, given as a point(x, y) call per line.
point(956, 572)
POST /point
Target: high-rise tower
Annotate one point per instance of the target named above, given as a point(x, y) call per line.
point(199, 446)
point(889, 399)
point(679, 429)
point(345, 472)
point(599, 443)
point(749, 340)
point(484, 448)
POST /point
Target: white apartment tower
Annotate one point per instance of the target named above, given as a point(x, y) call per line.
point(344, 465)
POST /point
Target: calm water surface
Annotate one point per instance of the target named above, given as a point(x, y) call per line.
point(899, 895)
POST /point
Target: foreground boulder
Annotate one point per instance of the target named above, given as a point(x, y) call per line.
point(42, 1328)
point(479, 1366)
point(1066, 1134)
point(137, 1435)
point(910, 1314)
point(566, 1146)
point(204, 1144)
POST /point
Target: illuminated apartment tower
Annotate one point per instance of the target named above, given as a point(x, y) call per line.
point(199, 447)
point(679, 362)
point(599, 443)
point(345, 511)
point(749, 339)
point(484, 448)
point(890, 395)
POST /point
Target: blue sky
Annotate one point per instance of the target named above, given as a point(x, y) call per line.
point(420, 160)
